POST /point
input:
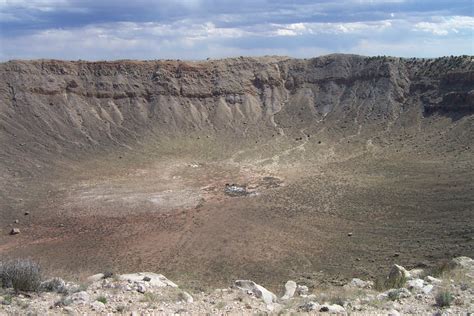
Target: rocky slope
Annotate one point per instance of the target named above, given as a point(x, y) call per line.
point(51, 109)
point(415, 293)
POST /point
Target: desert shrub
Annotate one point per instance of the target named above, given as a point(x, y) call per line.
point(7, 299)
point(444, 299)
point(382, 284)
point(54, 285)
point(396, 283)
point(102, 299)
point(21, 274)
point(336, 299)
point(108, 274)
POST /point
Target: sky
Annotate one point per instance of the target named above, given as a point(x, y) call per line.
point(200, 29)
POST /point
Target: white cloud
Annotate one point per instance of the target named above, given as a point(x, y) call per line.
point(296, 29)
point(447, 25)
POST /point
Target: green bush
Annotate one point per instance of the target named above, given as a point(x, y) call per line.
point(444, 299)
point(102, 299)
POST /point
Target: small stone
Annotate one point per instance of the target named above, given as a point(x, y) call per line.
point(27, 213)
point(186, 297)
point(147, 279)
point(16, 221)
point(97, 306)
point(141, 288)
point(349, 234)
point(302, 290)
point(15, 231)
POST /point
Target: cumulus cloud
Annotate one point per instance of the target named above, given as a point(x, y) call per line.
point(445, 26)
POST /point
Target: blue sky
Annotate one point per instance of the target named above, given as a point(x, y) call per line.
point(198, 29)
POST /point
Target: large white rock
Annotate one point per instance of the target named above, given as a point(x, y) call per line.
point(290, 289)
point(302, 290)
point(187, 297)
point(154, 279)
point(463, 262)
point(97, 306)
point(259, 291)
point(433, 280)
point(332, 309)
point(358, 283)
point(416, 273)
point(415, 285)
point(427, 288)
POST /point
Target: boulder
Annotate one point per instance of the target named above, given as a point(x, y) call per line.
point(398, 275)
point(186, 297)
point(395, 294)
point(14, 231)
point(97, 306)
point(290, 289)
point(302, 290)
point(462, 262)
point(255, 289)
point(309, 306)
point(427, 289)
point(416, 273)
point(79, 297)
point(361, 284)
point(415, 285)
point(332, 309)
point(54, 285)
point(433, 280)
point(141, 288)
point(156, 280)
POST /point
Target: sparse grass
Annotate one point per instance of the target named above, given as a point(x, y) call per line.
point(21, 274)
point(383, 283)
point(444, 299)
point(54, 285)
point(7, 299)
point(396, 283)
point(339, 295)
point(149, 297)
point(22, 303)
point(102, 299)
point(220, 305)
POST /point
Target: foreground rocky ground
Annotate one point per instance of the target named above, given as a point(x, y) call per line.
point(407, 292)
